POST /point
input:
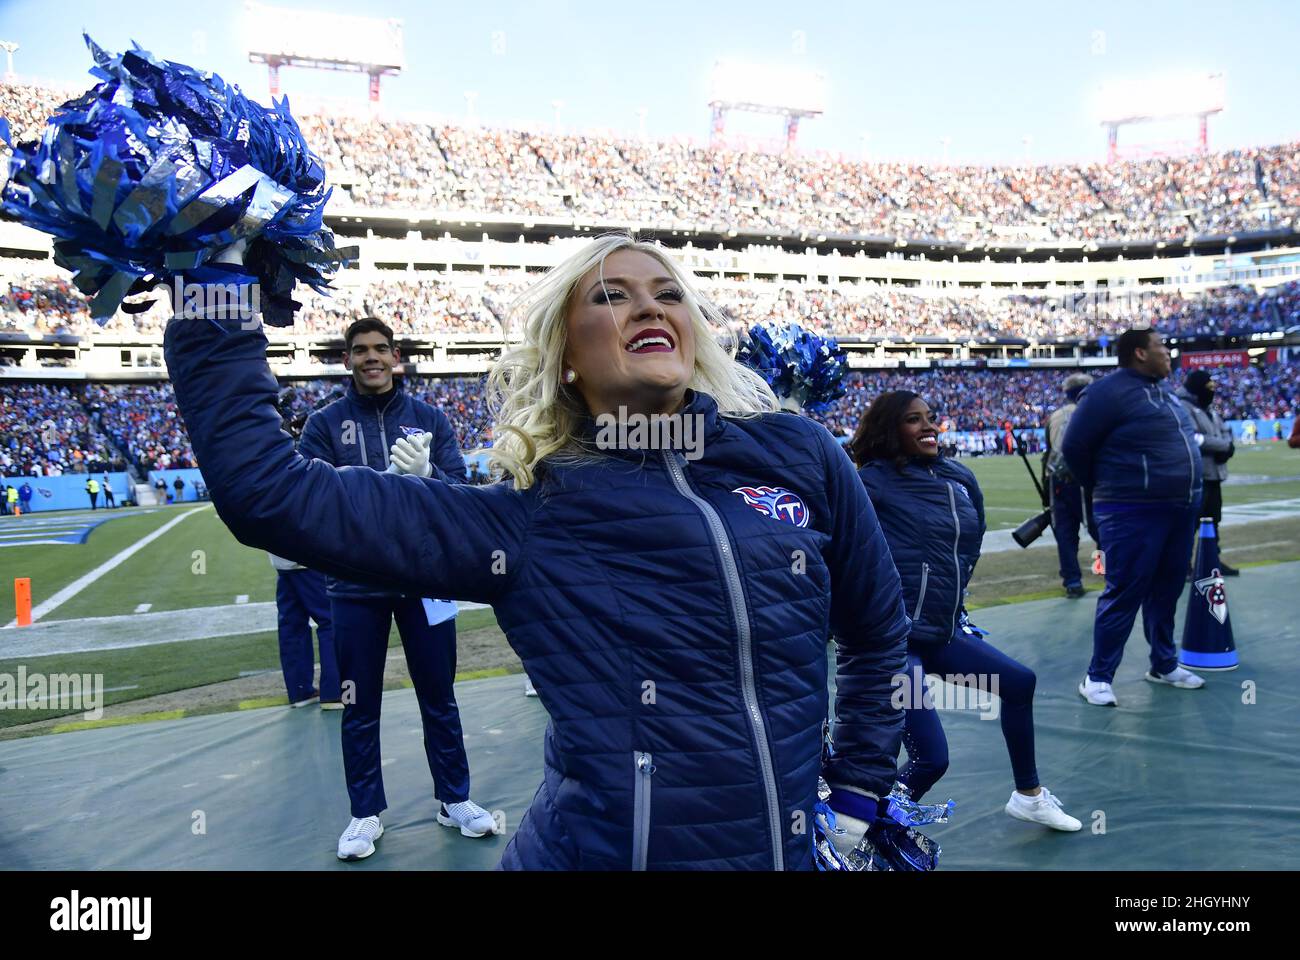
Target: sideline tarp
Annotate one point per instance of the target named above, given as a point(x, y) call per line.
point(1184, 779)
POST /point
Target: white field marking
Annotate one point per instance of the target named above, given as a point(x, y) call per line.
point(140, 629)
point(134, 686)
point(143, 607)
point(1260, 546)
point(1027, 576)
point(241, 598)
point(82, 582)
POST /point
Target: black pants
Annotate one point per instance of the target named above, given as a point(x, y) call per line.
point(1212, 503)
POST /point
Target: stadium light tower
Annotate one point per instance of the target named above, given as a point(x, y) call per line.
point(10, 48)
point(1128, 103)
point(793, 94)
point(280, 37)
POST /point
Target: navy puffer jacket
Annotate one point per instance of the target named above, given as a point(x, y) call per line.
point(357, 430)
point(932, 512)
point(674, 614)
point(1131, 441)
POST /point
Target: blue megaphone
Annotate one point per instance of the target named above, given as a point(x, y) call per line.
point(1207, 632)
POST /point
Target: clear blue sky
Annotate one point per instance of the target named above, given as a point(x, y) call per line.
point(905, 73)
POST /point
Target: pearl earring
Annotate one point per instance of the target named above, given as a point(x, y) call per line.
point(570, 376)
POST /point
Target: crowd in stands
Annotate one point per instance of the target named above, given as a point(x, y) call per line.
point(53, 429)
point(413, 304)
point(379, 162)
point(47, 431)
point(143, 421)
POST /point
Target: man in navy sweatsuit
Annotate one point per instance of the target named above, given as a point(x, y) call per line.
point(358, 430)
point(1133, 444)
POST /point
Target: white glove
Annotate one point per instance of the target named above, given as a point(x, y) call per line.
point(1199, 438)
point(411, 455)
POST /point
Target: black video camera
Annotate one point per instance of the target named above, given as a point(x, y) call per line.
point(1033, 528)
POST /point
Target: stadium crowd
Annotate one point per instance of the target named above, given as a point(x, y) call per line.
point(414, 304)
point(47, 430)
point(387, 162)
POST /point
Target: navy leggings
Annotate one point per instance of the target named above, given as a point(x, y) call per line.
point(927, 747)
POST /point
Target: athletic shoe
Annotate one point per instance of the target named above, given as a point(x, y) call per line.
point(1074, 591)
point(472, 819)
point(1179, 677)
point(331, 704)
point(1097, 693)
point(1099, 563)
point(307, 701)
point(358, 840)
point(529, 689)
point(1044, 809)
point(1227, 571)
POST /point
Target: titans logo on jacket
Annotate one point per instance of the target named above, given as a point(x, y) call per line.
point(777, 503)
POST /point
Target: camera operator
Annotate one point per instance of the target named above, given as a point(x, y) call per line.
point(1066, 498)
point(1217, 449)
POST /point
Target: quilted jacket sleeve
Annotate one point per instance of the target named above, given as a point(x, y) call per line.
point(871, 631)
point(419, 536)
point(445, 456)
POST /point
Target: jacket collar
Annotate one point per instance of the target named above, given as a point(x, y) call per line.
point(1141, 377)
point(377, 401)
point(700, 423)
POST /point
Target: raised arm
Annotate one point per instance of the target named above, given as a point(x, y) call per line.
point(871, 631)
point(419, 536)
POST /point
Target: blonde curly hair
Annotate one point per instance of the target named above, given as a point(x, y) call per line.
point(536, 417)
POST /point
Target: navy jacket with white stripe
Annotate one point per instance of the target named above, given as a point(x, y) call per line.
point(673, 616)
point(1131, 441)
point(357, 430)
point(932, 512)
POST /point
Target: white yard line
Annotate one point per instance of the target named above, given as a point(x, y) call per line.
point(1260, 546)
point(140, 629)
point(82, 582)
point(143, 607)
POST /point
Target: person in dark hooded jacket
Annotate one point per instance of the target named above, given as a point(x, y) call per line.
point(1216, 446)
point(932, 512)
point(672, 596)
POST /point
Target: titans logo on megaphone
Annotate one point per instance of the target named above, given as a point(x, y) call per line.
point(777, 503)
point(1216, 597)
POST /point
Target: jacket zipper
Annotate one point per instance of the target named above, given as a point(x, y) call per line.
point(747, 687)
point(383, 436)
point(1191, 463)
point(1146, 482)
point(920, 599)
point(956, 559)
point(645, 769)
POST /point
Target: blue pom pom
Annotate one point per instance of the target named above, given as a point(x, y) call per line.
point(158, 168)
point(796, 363)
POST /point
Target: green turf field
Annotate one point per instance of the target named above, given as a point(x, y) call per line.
point(199, 564)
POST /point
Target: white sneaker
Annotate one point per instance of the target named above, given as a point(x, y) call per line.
point(305, 701)
point(1180, 677)
point(1097, 693)
point(529, 689)
point(472, 819)
point(1044, 809)
point(358, 840)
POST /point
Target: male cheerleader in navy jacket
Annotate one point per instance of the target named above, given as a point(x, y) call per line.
point(932, 512)
point(673, 608)
point(357, 430)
